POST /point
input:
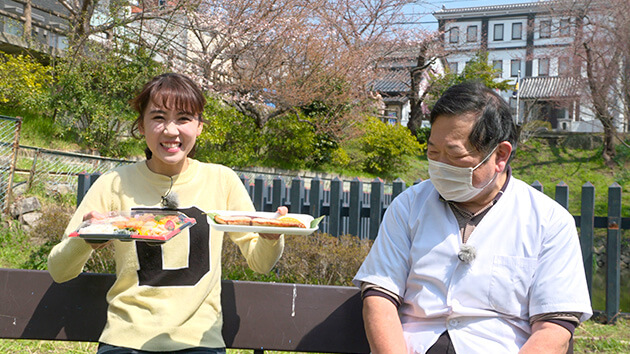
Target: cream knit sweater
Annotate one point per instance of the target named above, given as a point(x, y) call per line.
point(165, 297)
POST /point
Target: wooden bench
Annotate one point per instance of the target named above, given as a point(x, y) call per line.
point(258, 316)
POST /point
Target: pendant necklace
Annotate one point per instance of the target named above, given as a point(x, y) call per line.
point(170, 200)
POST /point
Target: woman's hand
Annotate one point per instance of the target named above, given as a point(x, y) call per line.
point(282, 211)
point(94, 215)
point(96, 245)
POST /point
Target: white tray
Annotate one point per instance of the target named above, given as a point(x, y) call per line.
point(305, 218)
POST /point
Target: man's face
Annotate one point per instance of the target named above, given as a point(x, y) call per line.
point(449, 144)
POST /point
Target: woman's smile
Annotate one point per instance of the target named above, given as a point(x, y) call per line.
point(170, 135)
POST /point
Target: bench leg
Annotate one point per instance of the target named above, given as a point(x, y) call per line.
point(259, 351)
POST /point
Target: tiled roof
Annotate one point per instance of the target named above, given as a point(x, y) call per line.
point(523, 7)
point(393, 80)
point(548, 87)
point(396, 99)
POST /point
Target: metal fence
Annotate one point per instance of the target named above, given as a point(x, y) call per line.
point(9, 138)
point(58, 168)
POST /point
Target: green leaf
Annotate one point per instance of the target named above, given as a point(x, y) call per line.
point(211, 216)
point(316, 222)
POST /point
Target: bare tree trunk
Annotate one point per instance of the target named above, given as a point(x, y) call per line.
point(415, 99)
point(28, 20)
point(601, 104)
point(609, 146)
point(416, 115)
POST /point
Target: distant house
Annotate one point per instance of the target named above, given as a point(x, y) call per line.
point(525, 42)
point(393, 85)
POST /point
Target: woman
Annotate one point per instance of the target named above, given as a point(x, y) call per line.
point(166, 298)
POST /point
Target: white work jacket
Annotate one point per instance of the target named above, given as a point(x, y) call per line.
point(528, 262)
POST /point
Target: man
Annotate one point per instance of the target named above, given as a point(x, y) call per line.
point(473, 260)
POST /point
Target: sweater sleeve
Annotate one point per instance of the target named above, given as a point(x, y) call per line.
point(261, 254)
point(66, 259)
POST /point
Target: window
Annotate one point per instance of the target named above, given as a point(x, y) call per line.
point(498, 32)
point(545, 29)
point(564, 66)
point(12, 26)
point(515, 67)
point(517, 30)
point(454, 35)
point(543, 67)
point(58, 41)
point(391, 116)
point(497, 65)
point(565, 27)
point(471, 35)
point(452, 65)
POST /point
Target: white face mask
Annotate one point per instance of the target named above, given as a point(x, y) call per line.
point(455, 183)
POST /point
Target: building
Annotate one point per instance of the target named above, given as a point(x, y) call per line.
point(528, 44)
point(47, 23)
point(393, 85)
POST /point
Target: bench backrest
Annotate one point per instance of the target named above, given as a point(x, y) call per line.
point(269, 316)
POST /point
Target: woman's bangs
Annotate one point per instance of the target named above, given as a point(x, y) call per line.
point(180, 100)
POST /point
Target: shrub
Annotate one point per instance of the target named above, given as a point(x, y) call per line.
point(386, 148)
point(422, 135)
point(229, 137)
point(316, 259)
point(24, 82)
point(92, 97)
point(47, 233)
point(289, 143)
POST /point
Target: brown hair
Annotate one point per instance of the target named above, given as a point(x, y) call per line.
point(171, 91)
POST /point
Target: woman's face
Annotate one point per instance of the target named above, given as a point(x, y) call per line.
point(170, 135)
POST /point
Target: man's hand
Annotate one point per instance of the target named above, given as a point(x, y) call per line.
point(282, 211)
point(382, 326)
point(547, 337)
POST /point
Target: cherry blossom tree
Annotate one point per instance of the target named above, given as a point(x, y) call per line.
point(600, 56)
point(270, 57)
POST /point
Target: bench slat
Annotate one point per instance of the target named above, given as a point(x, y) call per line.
point(269, 316)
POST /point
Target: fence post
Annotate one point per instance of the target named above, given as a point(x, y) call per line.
point(355, 204)
point(315, 199)
point(587, 224)
point(562, 194)
point(398, 186)
point(297, 195)
point(14, 153)
point(82, 186)
point(613, 253)
point(376, 206)
point(336, 189)
point(245, 181)
point(85, 181)
point(278, 193)
point(259, 191)
point(31, 174)
point(537, 185)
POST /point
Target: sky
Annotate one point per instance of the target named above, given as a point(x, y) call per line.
point(420, 13)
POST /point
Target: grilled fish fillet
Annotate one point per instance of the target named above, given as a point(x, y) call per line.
point(256, 221)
